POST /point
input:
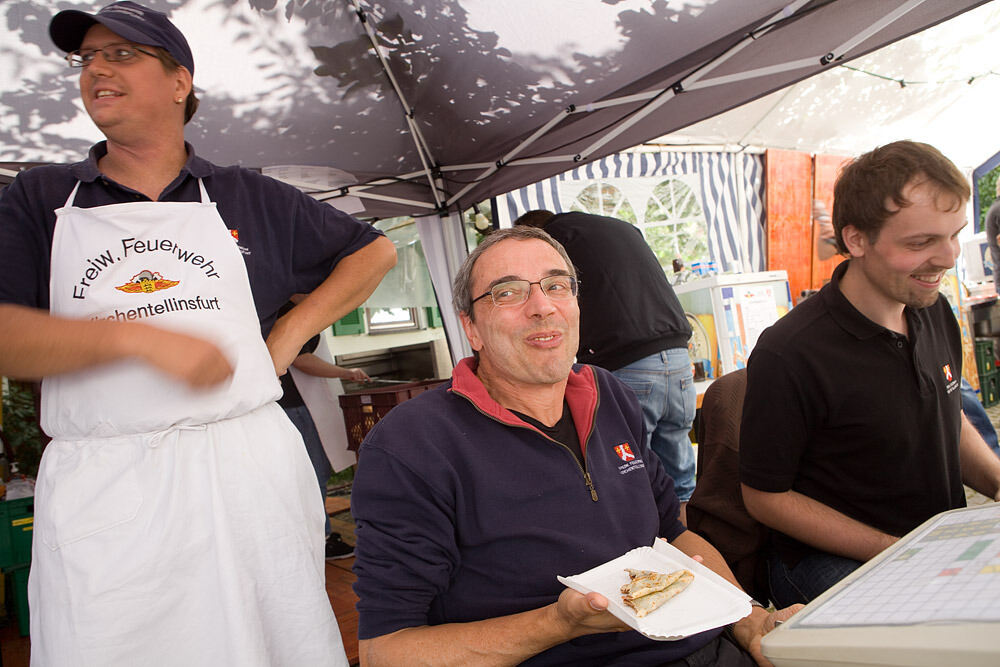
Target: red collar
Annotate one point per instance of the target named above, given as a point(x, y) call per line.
point(581, 396)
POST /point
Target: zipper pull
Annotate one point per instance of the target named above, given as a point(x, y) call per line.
point(590, 485)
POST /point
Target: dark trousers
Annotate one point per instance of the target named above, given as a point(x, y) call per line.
point(720, 652)
point(809, 579)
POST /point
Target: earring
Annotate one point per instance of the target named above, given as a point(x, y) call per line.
point(179, 100)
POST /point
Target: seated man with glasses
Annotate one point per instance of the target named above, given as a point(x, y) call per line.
point(471, 498)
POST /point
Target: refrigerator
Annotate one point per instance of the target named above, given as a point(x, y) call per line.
point(728, 312)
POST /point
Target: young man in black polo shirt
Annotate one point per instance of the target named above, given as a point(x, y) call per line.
point(852, 431)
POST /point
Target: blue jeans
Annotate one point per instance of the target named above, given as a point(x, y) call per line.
point(976, 413)
point(810, 577)
point(303, 421)
point(664, 384)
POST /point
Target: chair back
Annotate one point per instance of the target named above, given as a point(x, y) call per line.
point(716, 510)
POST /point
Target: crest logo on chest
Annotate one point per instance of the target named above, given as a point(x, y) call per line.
point(145, 282)
point(624, 452)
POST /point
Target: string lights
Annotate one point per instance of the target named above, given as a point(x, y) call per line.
point(903, 83)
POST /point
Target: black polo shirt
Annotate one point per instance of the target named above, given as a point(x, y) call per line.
point(855, 416)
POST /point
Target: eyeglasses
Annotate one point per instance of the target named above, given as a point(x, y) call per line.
point(113, 53)
point(515, 292)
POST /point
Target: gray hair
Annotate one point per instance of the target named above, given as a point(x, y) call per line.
point(461, 289)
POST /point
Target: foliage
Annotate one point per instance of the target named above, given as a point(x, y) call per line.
point(20, 426)
point(339, 479)
point(987, 194)
point(478, 222)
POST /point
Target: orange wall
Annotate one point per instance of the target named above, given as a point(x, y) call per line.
point(789, 211)
point(825, 171)
point(794, 179)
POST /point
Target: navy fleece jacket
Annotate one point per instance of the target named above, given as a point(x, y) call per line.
point(465, 512)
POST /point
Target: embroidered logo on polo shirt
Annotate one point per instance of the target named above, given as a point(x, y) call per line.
point(235, 233)
point(146, 282)
point(624, 452)
point(951, 384)
point(627, 456)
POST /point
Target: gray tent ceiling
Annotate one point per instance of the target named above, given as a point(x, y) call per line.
point(466, 98)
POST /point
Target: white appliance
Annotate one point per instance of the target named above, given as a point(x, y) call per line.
point(732, 311)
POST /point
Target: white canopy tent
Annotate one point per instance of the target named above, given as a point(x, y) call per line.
point(940, 86)
point(429, 106)
point(461, 99)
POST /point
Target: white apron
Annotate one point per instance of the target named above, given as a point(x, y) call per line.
point(173, 526)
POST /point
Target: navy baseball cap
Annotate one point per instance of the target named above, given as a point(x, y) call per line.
point(133, 22)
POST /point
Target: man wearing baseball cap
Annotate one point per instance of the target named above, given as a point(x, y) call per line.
point(176, 518)
point(136, 24)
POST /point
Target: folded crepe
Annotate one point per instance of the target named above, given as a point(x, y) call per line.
point(647, 591)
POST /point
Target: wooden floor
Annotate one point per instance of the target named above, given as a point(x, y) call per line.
point(15, 650)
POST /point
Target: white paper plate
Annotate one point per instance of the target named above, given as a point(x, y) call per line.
point(709, 602)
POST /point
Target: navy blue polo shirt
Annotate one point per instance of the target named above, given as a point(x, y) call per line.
point(855, 416)
point(289, 241)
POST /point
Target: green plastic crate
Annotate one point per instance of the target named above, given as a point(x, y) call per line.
point(17, 522)
point(985, 361)
point(17, 586)
point(350, 324)
point(989, 388)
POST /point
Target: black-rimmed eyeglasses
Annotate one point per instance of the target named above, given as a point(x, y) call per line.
point(113, 53)
point(515, 292)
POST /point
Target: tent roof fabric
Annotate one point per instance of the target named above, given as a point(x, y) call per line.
point(464, 99)
point(939, 86)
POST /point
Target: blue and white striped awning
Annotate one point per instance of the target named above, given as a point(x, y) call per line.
point(731, 190)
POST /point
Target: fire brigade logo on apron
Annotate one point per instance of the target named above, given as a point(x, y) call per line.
point(146, 282)
point(624, 452)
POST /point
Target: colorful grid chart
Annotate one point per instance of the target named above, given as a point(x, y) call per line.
point(946, 572)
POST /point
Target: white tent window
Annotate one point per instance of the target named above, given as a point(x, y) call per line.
point(603, 198)
point(675, 224)
point(672, 222)
point(727, 187)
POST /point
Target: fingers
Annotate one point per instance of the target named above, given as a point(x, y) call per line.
point(775, 617)
point(780, 616)
point(597, 601)
point(195, 361)
point(758, 656)
point(586, 614)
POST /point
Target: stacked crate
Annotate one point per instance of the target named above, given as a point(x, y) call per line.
point(989, 382)
point(362, 410)
point(17, 521)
